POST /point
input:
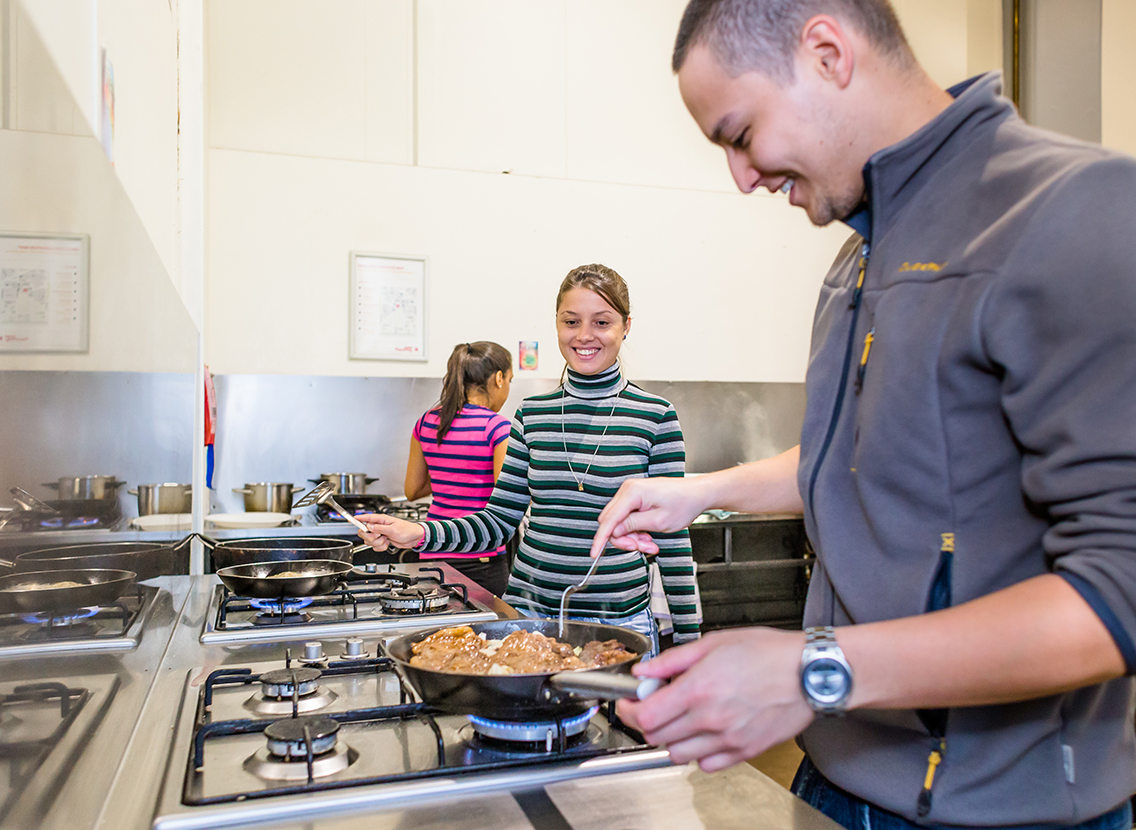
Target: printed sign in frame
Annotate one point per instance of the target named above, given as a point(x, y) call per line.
point(388, 307)
point(44, 292)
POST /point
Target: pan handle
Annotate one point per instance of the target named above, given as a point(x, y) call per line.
point(603, 685)
point(244, 490)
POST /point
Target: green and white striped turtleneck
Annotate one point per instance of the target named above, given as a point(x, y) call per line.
point(596, 431)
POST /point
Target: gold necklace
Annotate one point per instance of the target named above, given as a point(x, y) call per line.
point(564, 441)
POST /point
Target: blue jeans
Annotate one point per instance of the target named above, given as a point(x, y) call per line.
point(643, 622)
point(856, 814)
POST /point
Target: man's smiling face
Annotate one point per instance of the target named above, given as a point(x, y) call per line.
point(776, 135)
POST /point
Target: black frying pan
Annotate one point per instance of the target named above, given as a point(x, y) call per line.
point(306, 578)
point(247, 551)
point(527, 697)
point(146, 559)
point(31, 592)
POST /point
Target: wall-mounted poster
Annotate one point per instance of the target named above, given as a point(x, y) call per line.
point(44, 281)
point(388, 307)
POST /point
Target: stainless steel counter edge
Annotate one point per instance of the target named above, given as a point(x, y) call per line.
point(366, 799)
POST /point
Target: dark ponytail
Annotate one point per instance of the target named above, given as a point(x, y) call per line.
point(469, 368)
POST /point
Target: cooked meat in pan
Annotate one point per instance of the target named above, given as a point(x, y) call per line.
point(460, 651)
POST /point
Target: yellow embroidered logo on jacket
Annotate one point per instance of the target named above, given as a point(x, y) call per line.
point(922, 266)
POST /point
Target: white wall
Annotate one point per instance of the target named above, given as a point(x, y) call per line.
point(1118, 81)
point(64, 184)
point(508, 141)
point(141, 43)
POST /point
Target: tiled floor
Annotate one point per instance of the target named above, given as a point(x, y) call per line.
point(779, 762)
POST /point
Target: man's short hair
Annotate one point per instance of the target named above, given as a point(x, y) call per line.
point(763, 35)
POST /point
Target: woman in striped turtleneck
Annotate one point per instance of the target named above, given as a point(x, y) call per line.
point(568, 453)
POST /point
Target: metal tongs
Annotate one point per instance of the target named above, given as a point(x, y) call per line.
point(572, 589)
point(324, 493)
point(27, 503)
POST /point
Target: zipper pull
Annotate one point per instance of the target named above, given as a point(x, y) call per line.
point(863, 265)
point(923, 806)
point(869, 338)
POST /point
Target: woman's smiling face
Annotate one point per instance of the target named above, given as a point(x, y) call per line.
point(589, 331)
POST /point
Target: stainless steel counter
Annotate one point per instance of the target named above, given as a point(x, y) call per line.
point(120, 683)
point(670, 797)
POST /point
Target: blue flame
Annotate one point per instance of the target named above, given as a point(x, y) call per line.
point(272, 606)
point(60, 619)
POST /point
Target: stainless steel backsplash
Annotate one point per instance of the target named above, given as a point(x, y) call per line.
point(287, 428)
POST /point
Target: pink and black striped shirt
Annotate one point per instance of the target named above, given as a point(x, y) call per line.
point(461, 467)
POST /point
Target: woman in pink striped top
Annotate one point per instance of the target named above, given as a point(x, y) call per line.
point(458, 447)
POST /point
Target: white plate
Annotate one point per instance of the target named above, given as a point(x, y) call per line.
point(163, 521)
point(243, 520)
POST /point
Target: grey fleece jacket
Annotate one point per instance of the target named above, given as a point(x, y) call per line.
point(990, 437)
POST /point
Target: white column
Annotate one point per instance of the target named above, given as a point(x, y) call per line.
point(191, 227)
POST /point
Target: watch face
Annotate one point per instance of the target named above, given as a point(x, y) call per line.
point(826, 680)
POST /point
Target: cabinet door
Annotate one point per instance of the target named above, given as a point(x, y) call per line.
point(491, 85)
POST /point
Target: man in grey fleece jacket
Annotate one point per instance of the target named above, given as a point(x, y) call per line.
point(967, 467)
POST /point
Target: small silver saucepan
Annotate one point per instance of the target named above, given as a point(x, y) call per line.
point(163, 498)
point(346, 483)
point(72, 488)
point(268, 496)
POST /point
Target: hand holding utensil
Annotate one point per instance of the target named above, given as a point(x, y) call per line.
point(325, 494)
point(572, 589)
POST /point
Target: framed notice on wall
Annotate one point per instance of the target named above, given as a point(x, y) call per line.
point(44, 292)
point(388, 307)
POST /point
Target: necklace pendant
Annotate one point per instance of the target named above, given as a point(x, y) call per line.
point(581, 487)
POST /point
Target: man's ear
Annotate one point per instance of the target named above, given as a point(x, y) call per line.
point(827, 48)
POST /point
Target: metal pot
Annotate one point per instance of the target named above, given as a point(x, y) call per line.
point(163, 498)
point(268, 496)
point(72, 488)
point(346, 483)
point(147, 559)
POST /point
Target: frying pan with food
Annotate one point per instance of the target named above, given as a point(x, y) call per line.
point(285, 579)
point(527, 697)
point(60, 591)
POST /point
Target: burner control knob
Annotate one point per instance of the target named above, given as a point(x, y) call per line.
point(313, 651)
point(353, 650)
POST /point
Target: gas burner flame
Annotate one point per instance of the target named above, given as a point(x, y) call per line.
point(69, 618)
point(487, 724)
point(272, 606)
point(61, 522)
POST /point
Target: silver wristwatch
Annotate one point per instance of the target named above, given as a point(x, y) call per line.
point(826, 677)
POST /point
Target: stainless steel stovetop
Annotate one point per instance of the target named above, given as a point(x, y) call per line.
point(387, 749)
point(384, 600)
point(116, 627)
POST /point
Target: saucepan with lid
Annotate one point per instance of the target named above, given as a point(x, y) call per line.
point(527, 697)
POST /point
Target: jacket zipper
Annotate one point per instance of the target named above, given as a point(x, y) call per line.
point(923, 805)
point(865, 249)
